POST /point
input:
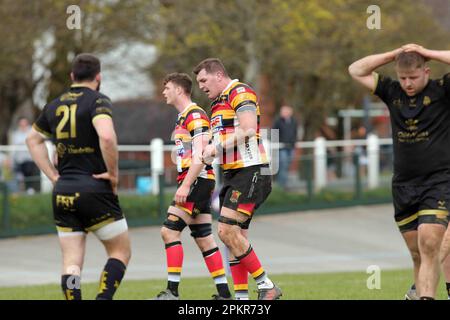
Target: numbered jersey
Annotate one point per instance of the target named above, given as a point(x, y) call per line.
point(191, 123)
point(68, 122)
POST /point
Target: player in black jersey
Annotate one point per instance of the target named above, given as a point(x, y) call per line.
point(80, 124)
point(420, 118)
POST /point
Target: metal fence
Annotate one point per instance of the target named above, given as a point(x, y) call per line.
point(322, 174)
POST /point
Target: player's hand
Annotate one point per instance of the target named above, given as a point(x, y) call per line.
point(208, 154)
point(54, 179)
point(182, 194)
point(106, 176)
point(412, 47)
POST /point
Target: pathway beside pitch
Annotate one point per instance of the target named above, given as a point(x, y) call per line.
point(345, 239)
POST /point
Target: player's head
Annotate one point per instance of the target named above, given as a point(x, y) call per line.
point(212, 77)
point(412, 72)
point(175, 86)
point(86, 68)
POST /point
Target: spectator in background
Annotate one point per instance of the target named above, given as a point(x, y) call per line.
point(287, 126)
point(25, 169)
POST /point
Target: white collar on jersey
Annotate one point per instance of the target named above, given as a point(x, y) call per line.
point(229, 85)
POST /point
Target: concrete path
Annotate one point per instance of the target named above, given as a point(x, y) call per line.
point(346, 239)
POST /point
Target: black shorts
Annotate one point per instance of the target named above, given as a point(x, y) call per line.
point(421, 204)
point(245, 189)
point(199, 198)
point(85, 211)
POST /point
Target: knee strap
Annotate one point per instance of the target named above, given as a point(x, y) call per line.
point(174, 222)
point(200, 230)
point(233, 222)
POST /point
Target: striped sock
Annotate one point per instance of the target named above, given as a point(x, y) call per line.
point(213, 260)
point(174, 254)
point(251, 262)
point(240, 280)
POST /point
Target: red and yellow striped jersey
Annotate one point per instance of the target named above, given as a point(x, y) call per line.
point(193, 121)
point(236, 97)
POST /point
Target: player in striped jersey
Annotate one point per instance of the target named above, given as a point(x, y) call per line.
point(247, 181)
point(192, 201)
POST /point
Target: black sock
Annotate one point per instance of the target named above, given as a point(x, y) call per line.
point(71, 286)
point(173, 287)
point(426, 298)
point(448, 288)
point(413, 287)
point(110, 279)
point(222, 289)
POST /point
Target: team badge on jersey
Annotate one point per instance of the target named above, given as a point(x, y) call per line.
point(426, 101)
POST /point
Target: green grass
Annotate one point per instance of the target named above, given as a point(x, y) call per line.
point(324, 286)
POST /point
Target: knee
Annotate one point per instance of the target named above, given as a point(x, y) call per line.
point(168, 235)
point(429, 247)
point(225, 234)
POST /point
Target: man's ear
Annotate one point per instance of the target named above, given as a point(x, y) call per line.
point(98, 77)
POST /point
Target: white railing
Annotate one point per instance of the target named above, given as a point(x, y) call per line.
point(156, 149)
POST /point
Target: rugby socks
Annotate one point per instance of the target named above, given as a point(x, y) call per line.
point(214, 263)
point(240, 280)
point(251, 262)
point(71, 286)
point(110, 278)
point(174, 254)
point(447, 284)
point(413, 287)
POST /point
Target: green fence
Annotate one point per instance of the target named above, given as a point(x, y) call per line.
point(23, 214)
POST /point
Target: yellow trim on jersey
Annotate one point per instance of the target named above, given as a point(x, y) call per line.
point(97, 226)
point(217, 273)
point(101, 116)
point(45, 133)
point(258, 272)
point(245, 96)
point(79, 85)
point(408, 220)
point(174, 269)
point(433, 212)
point(241, 287)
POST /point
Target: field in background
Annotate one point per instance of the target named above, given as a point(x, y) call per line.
point(323, 286)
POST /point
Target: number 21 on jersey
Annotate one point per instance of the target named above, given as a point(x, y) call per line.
point(68, 113)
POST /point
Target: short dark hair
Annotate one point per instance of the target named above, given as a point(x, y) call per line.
point(409, 60)
point(180, 79)
point(210, 65)
point(85, 66)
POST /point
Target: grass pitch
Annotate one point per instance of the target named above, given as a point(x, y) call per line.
point(323, 286)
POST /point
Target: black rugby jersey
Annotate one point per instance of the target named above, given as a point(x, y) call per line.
point(420, 130)
point(67, 120)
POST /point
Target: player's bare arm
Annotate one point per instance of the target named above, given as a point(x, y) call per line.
point(108, 145)
point(38, 150)
point(199, 142)
point(438, 55)
point(362, 70)
point(247, 129)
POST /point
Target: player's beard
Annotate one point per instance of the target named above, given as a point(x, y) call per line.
point(98, 87)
